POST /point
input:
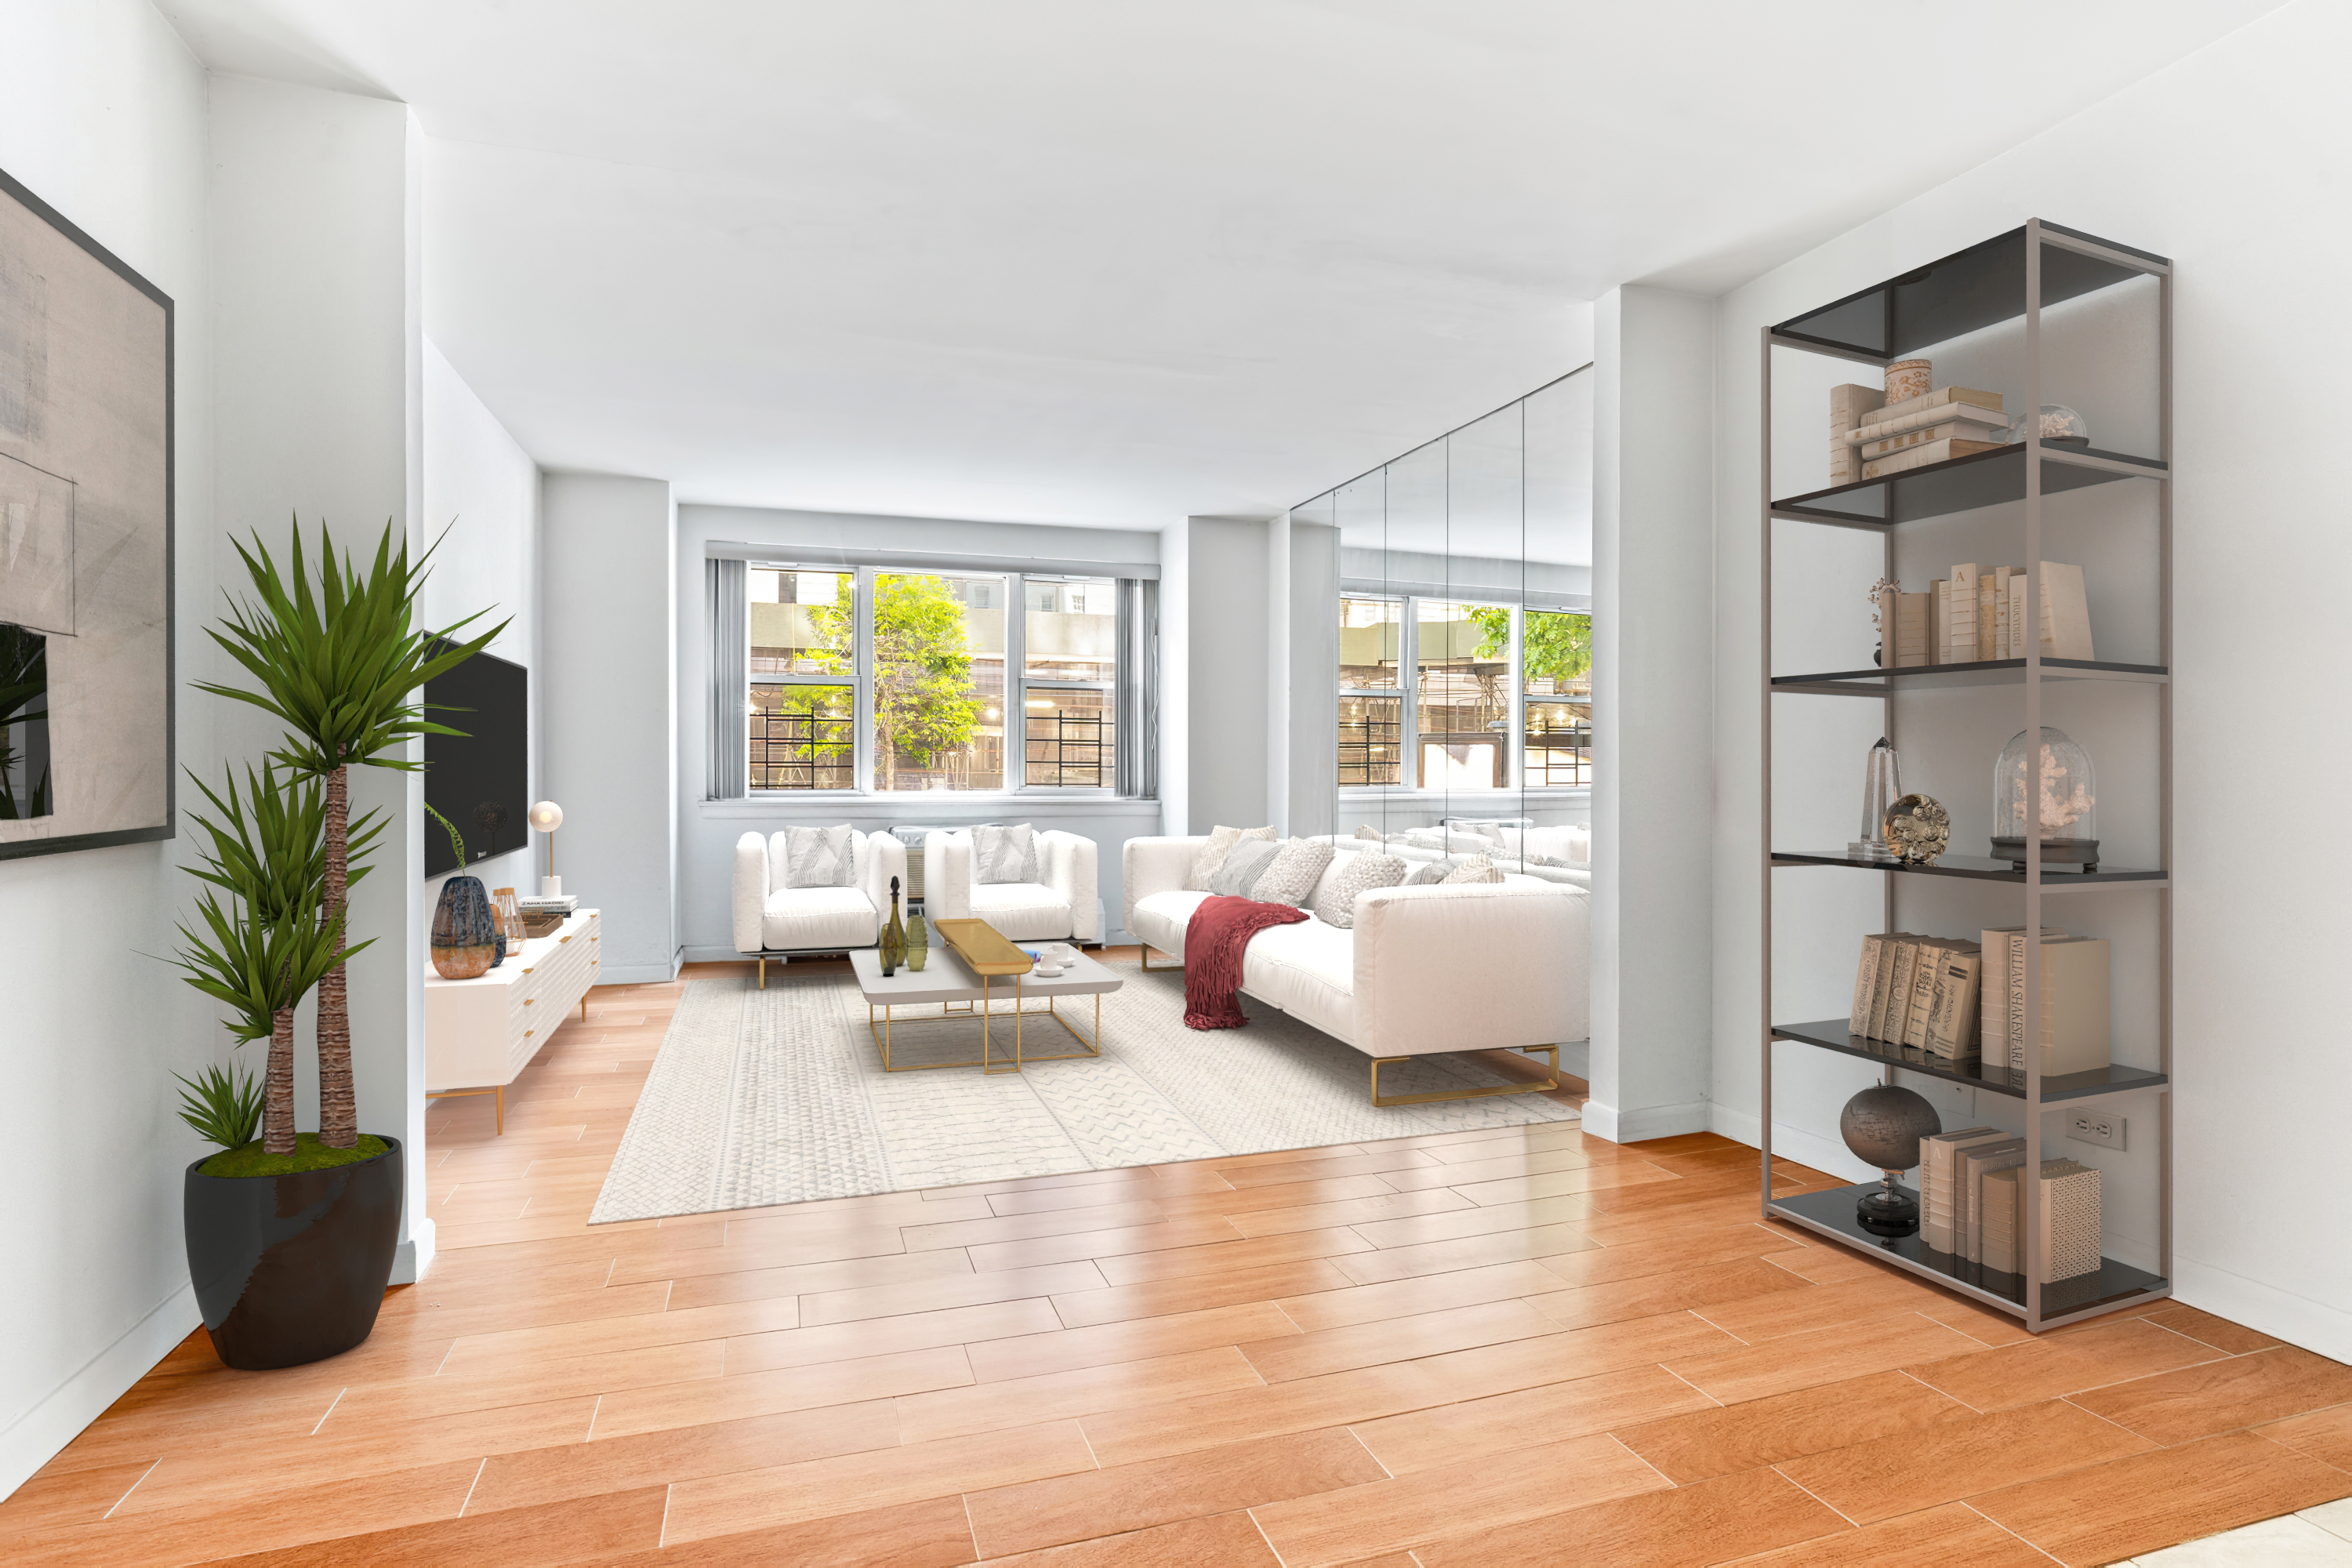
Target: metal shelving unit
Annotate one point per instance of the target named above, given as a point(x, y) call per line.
point(2013, 275)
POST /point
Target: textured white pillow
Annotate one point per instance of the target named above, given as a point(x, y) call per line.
point(1004, 854)
point(1237, 877)
point(1213, 854)
point(1473, 868)
point(1335, 900)
point(1292, 875)
point(818, 858)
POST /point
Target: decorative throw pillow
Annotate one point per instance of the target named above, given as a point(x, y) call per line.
point(1294, 872)
point(1359, 873)
point(1473, 868)
point(1004, 854)
point(1368, 831)
point(1243, 867)
point(1213, 854)
point(1424, 874)
point(818, 857)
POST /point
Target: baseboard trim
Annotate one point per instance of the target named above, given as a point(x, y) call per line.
point(36, 1437)
point(2315, 1325)
point(1790, 1144)
point(415, 1253)
point(1642, 1124)
point(639, 974)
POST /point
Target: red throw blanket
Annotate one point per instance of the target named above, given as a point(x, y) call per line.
point(1214, 940)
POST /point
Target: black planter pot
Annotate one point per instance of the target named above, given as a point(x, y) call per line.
point(289, 1269)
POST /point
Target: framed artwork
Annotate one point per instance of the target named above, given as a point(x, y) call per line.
point(87, 753)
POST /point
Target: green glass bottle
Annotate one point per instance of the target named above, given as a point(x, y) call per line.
point(918, 939)
point(894, 935)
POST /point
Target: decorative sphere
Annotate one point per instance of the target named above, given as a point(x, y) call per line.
point(1917, 829)
point(547, 817)
point(1884, 1123)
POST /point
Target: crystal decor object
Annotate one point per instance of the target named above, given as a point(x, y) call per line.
point(1882, 787)
point(2069, 802)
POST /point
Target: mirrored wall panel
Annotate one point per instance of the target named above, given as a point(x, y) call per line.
point(1456, 620)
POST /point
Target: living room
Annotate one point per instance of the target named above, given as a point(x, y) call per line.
point(1309, 558)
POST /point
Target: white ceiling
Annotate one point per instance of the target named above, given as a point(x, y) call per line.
point(1118, 261)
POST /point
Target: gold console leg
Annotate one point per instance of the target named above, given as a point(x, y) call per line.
point(1552, 1082)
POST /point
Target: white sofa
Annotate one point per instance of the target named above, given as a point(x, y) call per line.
point(1424, 970)
point(1062, 905)
point(773, 921)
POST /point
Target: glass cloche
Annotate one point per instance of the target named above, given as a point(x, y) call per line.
point(2070, 798)
point(2059, 426)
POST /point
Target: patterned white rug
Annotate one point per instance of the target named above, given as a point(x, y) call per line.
point(778, 1096)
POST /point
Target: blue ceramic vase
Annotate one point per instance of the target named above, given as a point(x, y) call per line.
point(465, 930)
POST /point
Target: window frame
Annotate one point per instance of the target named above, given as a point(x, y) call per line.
point(1015, 777)
point(1407, 691)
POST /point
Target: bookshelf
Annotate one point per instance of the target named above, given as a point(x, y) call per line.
point(2029, 299)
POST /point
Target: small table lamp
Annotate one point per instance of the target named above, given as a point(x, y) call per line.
point(547, 817)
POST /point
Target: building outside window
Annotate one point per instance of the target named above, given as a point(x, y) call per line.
point(893, 682)
point(1466, 674)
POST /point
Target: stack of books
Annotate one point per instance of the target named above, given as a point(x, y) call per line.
point(1923, 991)
point(2073, 1036)
point(1970, 1211)
point(542, 904)
point(1871, 439)
point(1979, 613)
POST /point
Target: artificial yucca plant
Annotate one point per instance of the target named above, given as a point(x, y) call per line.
point(224, 1107)
point(264, 942)
point(338, 661)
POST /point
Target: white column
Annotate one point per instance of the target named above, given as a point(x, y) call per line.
point(1653, 706)
point(317, 335)
point(608, 730)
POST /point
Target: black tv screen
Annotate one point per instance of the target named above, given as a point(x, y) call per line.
point(481, 780)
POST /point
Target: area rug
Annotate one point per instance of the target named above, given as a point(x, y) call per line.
point(778, 1096)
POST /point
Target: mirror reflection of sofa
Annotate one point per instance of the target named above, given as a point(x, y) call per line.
point(1417, 971)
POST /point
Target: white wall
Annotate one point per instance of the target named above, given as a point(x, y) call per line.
point(482, 487)
point(1227, 651)
point(102, 116)
point(608, 726)
point(2226, 162)
point(707, 829)
point(1653, 627)
point(320, 415)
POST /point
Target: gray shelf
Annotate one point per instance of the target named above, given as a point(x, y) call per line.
point(2011, 277)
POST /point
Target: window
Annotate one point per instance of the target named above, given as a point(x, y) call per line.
point(1069, 681)
point(937, 682)
point(893, 682)
point(1557, 692)
point(1372, 689)
point(1465, 674)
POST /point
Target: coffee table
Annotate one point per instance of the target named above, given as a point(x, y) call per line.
point(961, 994)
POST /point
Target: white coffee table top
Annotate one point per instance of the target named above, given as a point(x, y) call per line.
point(944, 978)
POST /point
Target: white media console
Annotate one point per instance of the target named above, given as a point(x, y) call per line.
point(480, 1033)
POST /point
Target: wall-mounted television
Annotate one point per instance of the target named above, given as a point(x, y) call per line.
point(481, 780)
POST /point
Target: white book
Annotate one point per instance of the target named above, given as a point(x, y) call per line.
point(1951, 418)
point(1961, 648)
point(1933, 402)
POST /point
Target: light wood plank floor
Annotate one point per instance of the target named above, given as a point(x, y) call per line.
point(1516, 1347)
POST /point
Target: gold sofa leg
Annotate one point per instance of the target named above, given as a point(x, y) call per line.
point(1552, 1082)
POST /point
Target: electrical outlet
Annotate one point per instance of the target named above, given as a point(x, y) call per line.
point(2097, 1127)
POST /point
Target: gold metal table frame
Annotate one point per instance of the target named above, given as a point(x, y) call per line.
point(986, 1012)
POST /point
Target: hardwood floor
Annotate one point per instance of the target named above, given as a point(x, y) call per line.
point(1486, 1348)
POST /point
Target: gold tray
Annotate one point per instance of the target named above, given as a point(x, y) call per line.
point(982, 947)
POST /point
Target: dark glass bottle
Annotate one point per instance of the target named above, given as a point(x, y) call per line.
point(894, 935)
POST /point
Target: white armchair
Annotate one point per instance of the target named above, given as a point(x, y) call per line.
point(1060, 906)
point(773, 921)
